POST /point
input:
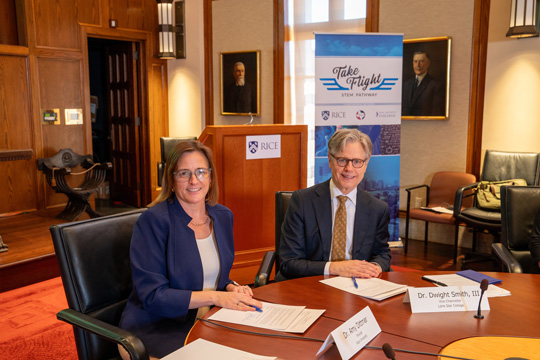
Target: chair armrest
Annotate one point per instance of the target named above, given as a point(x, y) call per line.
point(265, 269)
point(458, 200)
point(133, 345)
point(408, 190)
point(511, 264)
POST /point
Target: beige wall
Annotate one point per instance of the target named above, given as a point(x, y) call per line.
point(429, 146)
point(512, 106)
point(245, 25)
point(186, 78)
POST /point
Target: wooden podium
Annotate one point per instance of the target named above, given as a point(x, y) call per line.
point(248, 187)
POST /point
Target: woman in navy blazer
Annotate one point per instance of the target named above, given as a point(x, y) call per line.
point(182, 251)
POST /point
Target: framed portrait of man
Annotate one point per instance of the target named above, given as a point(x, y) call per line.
point(240, 83)
point(426, 79)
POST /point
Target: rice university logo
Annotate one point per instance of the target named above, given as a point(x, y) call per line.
point(325, 114)
point(253, 146)
point(263, 147)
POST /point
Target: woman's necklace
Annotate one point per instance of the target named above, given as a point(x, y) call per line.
point(201, 224)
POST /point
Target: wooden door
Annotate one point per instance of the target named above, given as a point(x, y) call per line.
point(124, 120)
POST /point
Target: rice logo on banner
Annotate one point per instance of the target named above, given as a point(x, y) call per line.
point(263, 147)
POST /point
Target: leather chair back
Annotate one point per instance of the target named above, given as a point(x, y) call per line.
point(282, 203)
point(519, 205)
point(501, 165)
point(93, 256)
point(167, 143)
point(444, 185)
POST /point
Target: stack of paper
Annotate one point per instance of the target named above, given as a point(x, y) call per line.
point(295, 319)
point(457, 280)
point(374, 288)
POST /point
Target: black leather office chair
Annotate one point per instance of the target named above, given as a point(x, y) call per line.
point(498, 166)
point(167, 143)
point(272, 257)
point(93, 256)
point(519, 205)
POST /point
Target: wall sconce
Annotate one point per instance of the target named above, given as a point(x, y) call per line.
point(523, 19)
point(172, 43)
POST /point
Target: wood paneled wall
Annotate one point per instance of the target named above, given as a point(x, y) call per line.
point(44, 65)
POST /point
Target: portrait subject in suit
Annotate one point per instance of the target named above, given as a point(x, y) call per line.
point(240, 83)
point(423, 94)
point(335, 227)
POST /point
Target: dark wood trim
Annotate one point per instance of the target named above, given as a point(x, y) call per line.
point(372, 16)
point(208, 65)
point(279, 68)
point(478, 82)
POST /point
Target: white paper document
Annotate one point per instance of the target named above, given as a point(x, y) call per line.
point(438, 209)
point(374, 288)
point(294, 319)
point(458, 280)
point(202, 349)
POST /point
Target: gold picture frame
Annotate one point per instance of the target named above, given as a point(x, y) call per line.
point(430, 99)
point(237, 97)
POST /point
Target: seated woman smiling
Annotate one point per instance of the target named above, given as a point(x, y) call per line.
point(182, 251)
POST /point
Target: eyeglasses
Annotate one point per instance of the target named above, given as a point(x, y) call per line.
point(185, 175)
point(343, 162)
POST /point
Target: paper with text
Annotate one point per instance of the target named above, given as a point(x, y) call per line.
point(296, 319)
point(374, 288)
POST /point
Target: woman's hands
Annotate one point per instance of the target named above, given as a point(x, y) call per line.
point(236, 300)
point(241, 289)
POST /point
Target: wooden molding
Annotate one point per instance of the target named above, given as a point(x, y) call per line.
point(372, 16)
point(478, 82)
point(279, 55)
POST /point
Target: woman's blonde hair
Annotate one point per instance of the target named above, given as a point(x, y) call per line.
point(170, 166)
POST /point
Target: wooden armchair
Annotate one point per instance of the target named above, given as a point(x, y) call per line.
point(59, 166)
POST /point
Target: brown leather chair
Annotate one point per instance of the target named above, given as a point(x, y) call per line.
point(441, 192)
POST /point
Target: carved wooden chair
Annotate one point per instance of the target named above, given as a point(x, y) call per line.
point(58, 167)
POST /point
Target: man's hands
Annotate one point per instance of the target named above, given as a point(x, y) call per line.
point(357, 268)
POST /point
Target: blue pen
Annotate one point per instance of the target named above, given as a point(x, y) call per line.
point(354, 282)
point(256, 308)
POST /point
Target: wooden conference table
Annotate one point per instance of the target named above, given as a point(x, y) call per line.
point(517, 315)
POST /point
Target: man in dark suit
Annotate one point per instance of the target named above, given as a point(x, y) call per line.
point(422, 95)
point(315, 238)
point(237, 95)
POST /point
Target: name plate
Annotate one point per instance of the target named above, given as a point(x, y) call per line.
point(353, 334)
point(445, 299)
point(263, 147)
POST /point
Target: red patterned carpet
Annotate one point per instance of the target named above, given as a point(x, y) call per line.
point(28, 325)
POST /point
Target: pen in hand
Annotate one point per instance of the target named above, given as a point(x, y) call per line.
point(256, 308)
point(354, 282)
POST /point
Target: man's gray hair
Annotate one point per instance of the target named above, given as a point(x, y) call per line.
point(344, 136)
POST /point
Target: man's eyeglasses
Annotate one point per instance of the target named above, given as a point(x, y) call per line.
point(185, 175)
point(343, 162)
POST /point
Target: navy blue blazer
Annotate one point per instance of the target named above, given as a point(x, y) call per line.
point(166, 268)
point(428, 99)
point(306, 232)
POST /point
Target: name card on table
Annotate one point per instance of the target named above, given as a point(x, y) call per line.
point(445, 299)
point(354, 334)
point(263, 147)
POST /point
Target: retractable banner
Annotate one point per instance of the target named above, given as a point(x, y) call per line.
point(358, 81)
